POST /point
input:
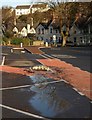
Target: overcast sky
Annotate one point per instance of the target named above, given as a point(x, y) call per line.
point(14, 3)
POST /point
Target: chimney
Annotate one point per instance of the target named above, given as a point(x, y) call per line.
point(28, 28)
point(32, 21)
point(15, 21)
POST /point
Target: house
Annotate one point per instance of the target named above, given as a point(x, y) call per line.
point(48, 31)
point(40, 7)
point(81, 33)
point(23, 30)
point(22, 10)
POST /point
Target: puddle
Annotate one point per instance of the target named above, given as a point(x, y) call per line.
point(39, 78)
point(47, 101)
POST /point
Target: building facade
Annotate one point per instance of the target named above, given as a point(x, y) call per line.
point(22, 10)
point(48, 32)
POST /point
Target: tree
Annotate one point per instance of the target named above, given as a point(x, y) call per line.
point(68, 13)
point(61, 10)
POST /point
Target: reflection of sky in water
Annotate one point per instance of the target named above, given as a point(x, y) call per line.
point(47, 102)
point(39, 78)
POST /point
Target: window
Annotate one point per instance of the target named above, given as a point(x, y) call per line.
point(42, 30)
point(17, 13)
point(74, 31)
point(39, 31)
point(51, 39)
point(56, 31)
point(41, 38)
point(50, 30)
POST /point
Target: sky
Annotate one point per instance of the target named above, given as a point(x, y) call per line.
point(14, 3)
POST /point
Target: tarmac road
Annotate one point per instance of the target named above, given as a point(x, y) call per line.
point(77, 56)
point(24, 98)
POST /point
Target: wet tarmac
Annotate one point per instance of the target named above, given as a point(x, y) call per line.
point(20, 58)
point(52, 100)
point(42, 97)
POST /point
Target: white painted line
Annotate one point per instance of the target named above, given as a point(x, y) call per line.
point(49, 56)
point(81, 93)
point(63, 56)
point(41, 50)
point(23, 86)
point(40, 62)
point(45, 83)
point(3, 61)
point(78, 92)
point(15, 87)
point(65, 81)
point(23, 112)
point(43, 56)
point(75, 89)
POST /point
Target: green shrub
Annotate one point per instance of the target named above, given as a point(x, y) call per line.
point(17, 41)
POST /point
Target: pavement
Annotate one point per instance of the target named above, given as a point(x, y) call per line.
point(33, 95)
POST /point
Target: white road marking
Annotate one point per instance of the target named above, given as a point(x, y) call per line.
point(65, 81)
point(3, 61)
point(49, 56)
point(23, 112)
point(16, 87)
point(43, 56)
point(63, 56)
point(40, 62)
point(37, 84)
point(75, 89)
point(78, 92)
point(81, 93)
point(45, 83)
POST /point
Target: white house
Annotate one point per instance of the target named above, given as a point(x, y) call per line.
point(40, 8)
point(22, 10)
point(23, 30)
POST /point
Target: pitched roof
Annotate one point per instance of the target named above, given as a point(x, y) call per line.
point(45, 25)
point(23, 7)
point(89, 20)
point(55, 24)
point(20, 26)
point(39, 5)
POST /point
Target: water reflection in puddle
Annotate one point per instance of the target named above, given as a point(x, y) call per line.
point(39, 78)
point(47, 101)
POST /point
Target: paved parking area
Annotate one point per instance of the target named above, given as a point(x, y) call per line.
point(39, 97)
point(51, 100)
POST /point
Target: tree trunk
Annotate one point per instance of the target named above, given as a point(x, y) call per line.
point(64, 41)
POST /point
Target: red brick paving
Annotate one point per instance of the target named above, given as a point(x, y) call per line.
point(78, 78)
point(16, 70)
point(34, 50)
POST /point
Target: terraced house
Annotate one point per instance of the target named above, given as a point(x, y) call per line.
point(48, 31)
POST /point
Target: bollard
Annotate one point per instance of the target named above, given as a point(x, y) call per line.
point(46, 44)
point(11, 50)
point(21, 45)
